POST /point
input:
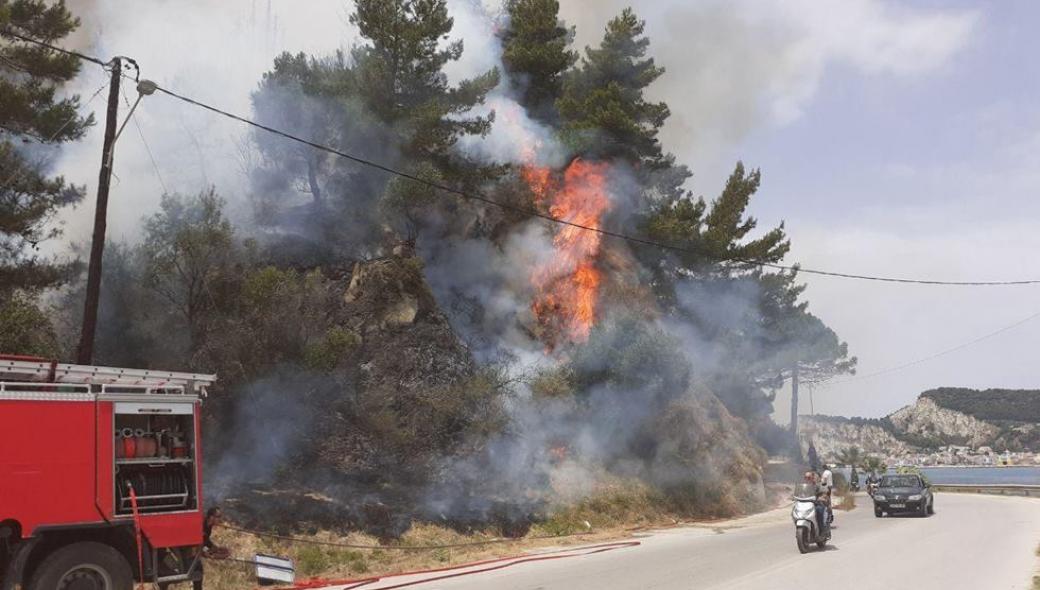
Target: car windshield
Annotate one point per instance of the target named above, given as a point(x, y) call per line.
point(900, 481)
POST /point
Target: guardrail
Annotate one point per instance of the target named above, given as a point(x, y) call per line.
point(1011, 489)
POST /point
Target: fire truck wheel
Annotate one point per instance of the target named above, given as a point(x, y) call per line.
point(83, 566)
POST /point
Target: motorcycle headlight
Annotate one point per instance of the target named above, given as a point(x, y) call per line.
point(914, 497)
point(879, 497)
point(804, 511)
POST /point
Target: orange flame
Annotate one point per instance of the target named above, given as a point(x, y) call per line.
point(567, 286)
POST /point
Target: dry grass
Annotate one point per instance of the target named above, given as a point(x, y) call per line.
point(611, 514)
point(846, 500)
point(325, 562)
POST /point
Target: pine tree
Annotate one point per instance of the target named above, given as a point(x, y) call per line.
point(400, 77)
point(603, 108)
point(31, 113)
point(535, 54)
point(711, 236)
point(767, 329)
point(389, 99)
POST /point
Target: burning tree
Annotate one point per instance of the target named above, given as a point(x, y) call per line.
point(660, 357)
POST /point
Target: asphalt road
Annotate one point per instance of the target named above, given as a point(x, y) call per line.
point(972, 542)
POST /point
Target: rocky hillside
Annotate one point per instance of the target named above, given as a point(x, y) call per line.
point(926, 423)
point(998, 418)
point(830, 434)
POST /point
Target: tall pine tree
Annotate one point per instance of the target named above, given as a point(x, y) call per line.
point(603, 108)
point(764, 327)
point(535, 54)
point(401, 78)
point(32, 118)
point(390, 99)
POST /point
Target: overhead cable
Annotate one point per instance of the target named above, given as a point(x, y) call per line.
point(532, 212)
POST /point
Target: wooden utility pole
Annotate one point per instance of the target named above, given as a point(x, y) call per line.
point(85, 352)
point(794, 400)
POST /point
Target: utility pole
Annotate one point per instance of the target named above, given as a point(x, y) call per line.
point(794, 400)
point(85, 352)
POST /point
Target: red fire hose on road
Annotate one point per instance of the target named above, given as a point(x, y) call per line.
point(493, 564)
point(499, 564)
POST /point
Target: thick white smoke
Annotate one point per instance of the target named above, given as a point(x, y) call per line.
point(213, 50)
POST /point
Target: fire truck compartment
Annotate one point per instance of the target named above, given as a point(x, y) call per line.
point(154, 455)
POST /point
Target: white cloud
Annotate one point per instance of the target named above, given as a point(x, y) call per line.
point(733, 65)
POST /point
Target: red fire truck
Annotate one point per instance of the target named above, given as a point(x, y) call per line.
point(100, 476)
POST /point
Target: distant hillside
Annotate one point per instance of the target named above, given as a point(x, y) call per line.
point(831, 434)
point(1016, 405)
point(999, 418)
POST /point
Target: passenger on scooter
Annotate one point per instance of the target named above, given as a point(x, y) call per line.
point(826, 485)
point(822, 506)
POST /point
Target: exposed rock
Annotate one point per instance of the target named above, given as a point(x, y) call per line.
point(831, 434)
point(925, 418)
point(408, 353)
point(926, 424)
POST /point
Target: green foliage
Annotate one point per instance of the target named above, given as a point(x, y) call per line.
point(400, 75)
point(25, 328)
point(400, 78)
point(604, 112)
point(414, 429)
point(187, 245)
point(851, 456)
point(874, 464)
point(312, 560)
point(32, 112)
point(330, 351)
point(1020, 405)
point(626, 352)
point(764, 325)
point(535, 54)
point(390, 98)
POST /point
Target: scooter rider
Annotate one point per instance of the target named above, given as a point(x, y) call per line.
point(872, 481)
point(827, 485)
point(822, 501)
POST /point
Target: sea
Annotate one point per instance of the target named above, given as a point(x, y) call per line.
point(979, 475)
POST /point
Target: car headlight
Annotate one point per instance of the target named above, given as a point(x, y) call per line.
point(914, 497)
point(879, 497)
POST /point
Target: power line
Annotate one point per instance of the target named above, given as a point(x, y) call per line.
point(147, 148)
point(10, 33)
point(24, 169)
point(912, 363)
point(475, 196)
point(531, 212)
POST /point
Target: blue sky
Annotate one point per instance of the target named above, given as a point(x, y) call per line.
point(934, 174)
point(894, 138)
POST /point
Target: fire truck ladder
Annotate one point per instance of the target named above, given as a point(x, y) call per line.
point(14, 368)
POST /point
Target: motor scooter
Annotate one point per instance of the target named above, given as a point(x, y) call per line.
point(803, 513)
